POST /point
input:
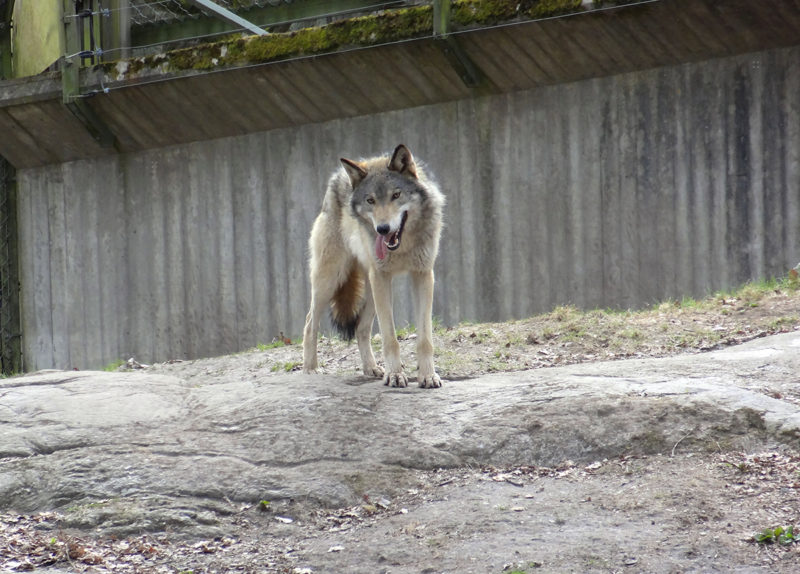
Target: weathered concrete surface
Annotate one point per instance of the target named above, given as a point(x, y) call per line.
point(147, 451)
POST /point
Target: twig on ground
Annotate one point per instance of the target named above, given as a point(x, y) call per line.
point(680, 440)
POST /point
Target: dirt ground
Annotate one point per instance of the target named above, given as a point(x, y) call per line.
point(679, 511)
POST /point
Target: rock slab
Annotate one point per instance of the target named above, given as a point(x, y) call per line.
point(151, 450)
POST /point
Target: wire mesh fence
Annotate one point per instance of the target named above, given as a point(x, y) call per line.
point(153, 26)
point(154, 12)
point(10, 354)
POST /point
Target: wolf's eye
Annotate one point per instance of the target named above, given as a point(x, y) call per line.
point(371, 200)
point(395, 195)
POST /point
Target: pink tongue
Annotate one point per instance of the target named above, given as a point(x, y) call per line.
point(380, 247)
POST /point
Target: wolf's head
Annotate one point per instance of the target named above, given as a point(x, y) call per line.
point(386, 195)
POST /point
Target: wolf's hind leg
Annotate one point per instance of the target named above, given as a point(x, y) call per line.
point(311, 330)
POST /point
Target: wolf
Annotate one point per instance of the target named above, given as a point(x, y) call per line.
point(380, 217)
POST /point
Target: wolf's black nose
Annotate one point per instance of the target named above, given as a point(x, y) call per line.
point(383, 228)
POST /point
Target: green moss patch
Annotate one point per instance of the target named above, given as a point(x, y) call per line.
point(487, 12)
point(364, 31)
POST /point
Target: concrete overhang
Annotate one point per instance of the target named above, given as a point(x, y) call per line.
point(186, 96)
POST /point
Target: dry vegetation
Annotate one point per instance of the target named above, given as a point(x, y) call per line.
point(567, 335)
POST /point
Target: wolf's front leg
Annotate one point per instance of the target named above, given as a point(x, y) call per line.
point(364, 335)
point(382, 295)
point(423, 286)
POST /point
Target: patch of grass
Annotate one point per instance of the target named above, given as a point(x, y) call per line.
point(438, 325)
point(404, 332)
point(475, 336)
point(483, 336)
point(514, 340)
point(114, 365)
point(541, 337)
point(742, 467)
point(563, 313)
point(288, 366)
point(450, 360)
point(548, 333)
point(779, 535)
point(696, 339)
point(781, 322)
point(755, 291)
point(278, 342)
point(792, 281)
point(689, 303)
point(633, 334)
point(574, 331)
point(268, 346)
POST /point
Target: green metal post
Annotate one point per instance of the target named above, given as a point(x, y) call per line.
point(441, 18)
point(70, 67)
point(70, 79)
point(458, 58)
point(115, 30)
point(6, 71)
point(10, 316)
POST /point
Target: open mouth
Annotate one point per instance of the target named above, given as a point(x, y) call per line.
point(392, 240)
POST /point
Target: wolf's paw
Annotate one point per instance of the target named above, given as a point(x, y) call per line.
point(431, 381)
point(374, 371)
point(310, 363)
point(395, 379)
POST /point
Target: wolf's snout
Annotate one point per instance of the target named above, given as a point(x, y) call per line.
point(383, 228)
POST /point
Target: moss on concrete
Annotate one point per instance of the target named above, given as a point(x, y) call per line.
point(549, 8)
point(487, 12)
point(363, 31)
point(375, 29)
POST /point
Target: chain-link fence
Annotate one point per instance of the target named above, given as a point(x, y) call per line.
point(10, 335)
point(144, 12)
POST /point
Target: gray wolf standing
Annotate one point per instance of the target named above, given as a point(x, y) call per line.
point(380, 217)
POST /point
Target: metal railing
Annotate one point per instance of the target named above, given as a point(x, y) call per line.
point(105, 30)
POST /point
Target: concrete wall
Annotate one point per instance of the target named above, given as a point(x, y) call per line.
point(611, 192)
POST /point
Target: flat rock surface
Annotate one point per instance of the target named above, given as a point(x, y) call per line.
point(186, 448)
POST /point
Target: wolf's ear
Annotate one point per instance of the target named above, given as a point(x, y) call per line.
point(355, 171)
point(403, 162)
